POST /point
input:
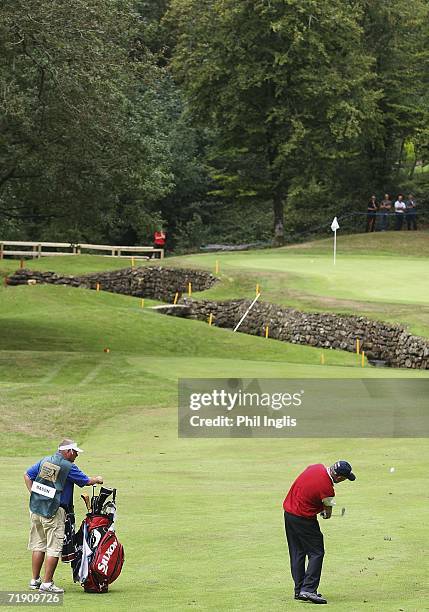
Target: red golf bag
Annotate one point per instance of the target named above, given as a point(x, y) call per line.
point(100, 556)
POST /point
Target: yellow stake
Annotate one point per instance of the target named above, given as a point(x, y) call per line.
point(97, 287)
point(217, 267)
point(211, 319)
point(266, 331)
point(142, 303)
point(176, 297)
point(189, 289)
point(132, 262)
point(357, 346)
point(363, 359)
point(257, 289)
point(322, 358)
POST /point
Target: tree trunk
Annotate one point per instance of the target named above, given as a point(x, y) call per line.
point(413, 167)
point(278, 209)
point(401, 151)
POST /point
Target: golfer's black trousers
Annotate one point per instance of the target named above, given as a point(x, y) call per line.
point(304, 539)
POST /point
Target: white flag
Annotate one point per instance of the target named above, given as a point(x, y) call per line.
point(335, 225)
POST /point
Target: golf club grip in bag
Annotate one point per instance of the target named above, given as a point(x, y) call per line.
point(106, 564)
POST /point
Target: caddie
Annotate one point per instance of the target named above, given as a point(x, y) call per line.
point(50, 482)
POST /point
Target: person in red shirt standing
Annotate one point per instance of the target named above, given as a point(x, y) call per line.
point(159, 239)
point(311, 494)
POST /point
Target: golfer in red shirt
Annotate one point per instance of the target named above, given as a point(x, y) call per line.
point(311, 494)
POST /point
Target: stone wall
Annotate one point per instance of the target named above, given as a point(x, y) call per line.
point(386, 342)
point(152, 282)
point(380, 341)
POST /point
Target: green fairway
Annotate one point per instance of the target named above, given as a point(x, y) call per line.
point(201, 520)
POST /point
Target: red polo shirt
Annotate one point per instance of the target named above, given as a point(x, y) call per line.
point(306, 494)
point(159, 238)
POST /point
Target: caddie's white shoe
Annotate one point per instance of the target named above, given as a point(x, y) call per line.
point(35, 583)
point(49, 587)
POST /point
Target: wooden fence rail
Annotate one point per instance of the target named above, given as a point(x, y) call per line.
point(41, 249)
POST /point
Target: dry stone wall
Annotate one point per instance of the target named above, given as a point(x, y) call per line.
point(157, 283)
point(380, 341)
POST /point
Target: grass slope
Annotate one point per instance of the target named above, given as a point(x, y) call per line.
point(53, 364)
point(381, 275)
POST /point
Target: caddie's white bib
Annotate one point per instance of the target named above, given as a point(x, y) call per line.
point(44, 490)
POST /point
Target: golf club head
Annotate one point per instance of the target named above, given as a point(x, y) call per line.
point(102, 497)
point(109, 509)
point(87, 503)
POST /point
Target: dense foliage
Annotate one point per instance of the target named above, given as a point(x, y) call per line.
point(83, 144)
point(221, 121)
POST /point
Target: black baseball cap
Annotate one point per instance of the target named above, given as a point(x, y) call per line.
point(343, 468)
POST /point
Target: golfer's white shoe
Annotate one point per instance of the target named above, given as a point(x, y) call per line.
point(35, 583)
point(49, 587)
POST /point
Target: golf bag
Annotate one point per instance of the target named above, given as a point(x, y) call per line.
point(99, 554)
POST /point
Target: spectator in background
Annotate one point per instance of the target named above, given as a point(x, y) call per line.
point(371, 214)
point(159, 239)
point(411, 213)
point(399, 212)
point(384, 210)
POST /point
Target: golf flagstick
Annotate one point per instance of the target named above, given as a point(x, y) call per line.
point(334, 227)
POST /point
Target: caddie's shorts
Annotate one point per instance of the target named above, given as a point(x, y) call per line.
point(47, 534)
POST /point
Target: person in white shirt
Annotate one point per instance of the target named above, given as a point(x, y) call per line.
point(399, 212)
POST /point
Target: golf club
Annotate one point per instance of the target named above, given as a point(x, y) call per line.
point(85, 498)
point(102, 497)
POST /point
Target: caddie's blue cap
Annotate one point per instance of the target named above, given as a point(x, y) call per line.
point(343, 468)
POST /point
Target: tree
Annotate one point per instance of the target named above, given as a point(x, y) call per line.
point(396, 35)
point(80, 130)
point(287, 87)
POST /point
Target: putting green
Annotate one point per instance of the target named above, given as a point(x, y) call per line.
point(361, 278)
point(364, 277)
